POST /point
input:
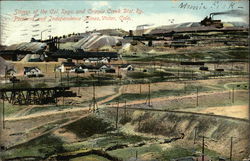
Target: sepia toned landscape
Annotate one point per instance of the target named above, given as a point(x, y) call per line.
point(177, 92)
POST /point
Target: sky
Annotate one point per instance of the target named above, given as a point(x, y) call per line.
point(21, 20)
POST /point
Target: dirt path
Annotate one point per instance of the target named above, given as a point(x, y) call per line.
point(48, 113)
point(23, 111)
point(112, 97)
point(231, 111)
point(153, 100)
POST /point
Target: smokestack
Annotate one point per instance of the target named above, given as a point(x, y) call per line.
point(131, 33)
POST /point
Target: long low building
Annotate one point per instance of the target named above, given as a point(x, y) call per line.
point(83, 54)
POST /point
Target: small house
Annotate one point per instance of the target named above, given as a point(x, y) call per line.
point(65, 66)
point(95, 68)
point(102, 67)
point(32, 72)
point(203, 68)
point(219, 70)
point(11, 72)
point(96, 60)
point(107, 69)
point(78, 69)
point(127, 67)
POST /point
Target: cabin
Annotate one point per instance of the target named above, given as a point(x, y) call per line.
point(127, 67)
point(96, 68)
point(11, 72)
point(65, 66)
point(78, 69)
point(107, 69)
point(203, 68)
point(219, 70)
point(96, 60)
point(32, 72)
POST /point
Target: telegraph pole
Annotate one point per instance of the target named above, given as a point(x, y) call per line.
point(125, 110)
point(117, 111)
point(3, 114)
point(78, 90)
point(149, 95)
point(68, 77)
point(94, 99)
point(203, 149)
point(46, 67)
point(77, 78)
point(195, 131)
point(231, 148)
point(232, 68)
point(61, 76)
point(185, 89)
point(184, 72)
point(197, 96)
point(139, 122)
point(55, 71)
point(56, 100)
point(63, 99)
point(5, 73)
point(233, 96)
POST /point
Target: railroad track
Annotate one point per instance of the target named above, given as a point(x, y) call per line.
point(185, 112)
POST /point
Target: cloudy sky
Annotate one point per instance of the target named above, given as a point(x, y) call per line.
point(21, 20)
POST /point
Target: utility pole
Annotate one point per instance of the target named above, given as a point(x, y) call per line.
point(195, 131)
point(117, 111)
point(140, 88)
point(46, 67)
point(233, 96)
point(203, 149)
point(94, 99)
point(79, 88)
point(5, 74)
point(98, 77)
point(197, 96)
point(63, 99)
point(68, 77)
point(61, 76)
point(56, 100)
point(55, 71)
point(149, 95)
point(125, 110)
point(184, 71)
point(185, 89)
point(77, 78)
point(139, 124)
point(232, 68)
point(231, 148)
point(3, 114)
